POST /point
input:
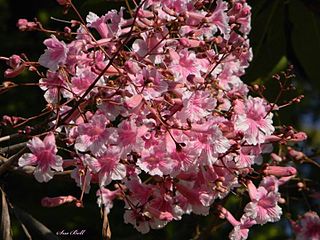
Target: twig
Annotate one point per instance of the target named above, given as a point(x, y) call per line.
point(6, 165)
point(12, 148)
point(106, 231)
point(9, 137)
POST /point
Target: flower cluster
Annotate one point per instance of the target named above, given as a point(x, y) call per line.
point(307, 227)
point(154, 111)
point(262, 208)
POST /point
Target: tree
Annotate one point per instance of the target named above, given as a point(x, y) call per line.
point(148, 107)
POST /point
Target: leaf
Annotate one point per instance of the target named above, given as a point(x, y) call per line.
point(34, 225)
point(5, 218)
point(268, 38)
point(106, 231)
point(305, 39)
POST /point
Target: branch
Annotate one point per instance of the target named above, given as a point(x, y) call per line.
point(9, 137)
point(7, 164)
point(13, 148)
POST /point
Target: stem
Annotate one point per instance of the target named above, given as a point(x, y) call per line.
point(12, 148)
point(6, 165)
point(9, 137)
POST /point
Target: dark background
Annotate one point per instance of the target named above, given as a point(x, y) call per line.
point(283, 32)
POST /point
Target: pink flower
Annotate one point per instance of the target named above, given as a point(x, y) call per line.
point(55, 55)
point(155, 214)
point(162, 206)
point(270, 183)
point(187, 158)
point(43, 156)
point(140, 193)
point(55, 85)
point(220, 18)
point(184, 64)
point(82, 80)
point(106, 197)
point(106, 30)
point(107, 165)
point(150, 46)
point(245, 158)
point(156, 161)
point(263, 206)
point(298, 137)
point(139, 220)
point(241, 14)
point(196, 106)
point(241, 228)
point(94, 135)
point(130, 136)
point(151, 83)
point(98, 23)
point(199, 199)
point(212, 143)
point(308, 227)
point(252, 118)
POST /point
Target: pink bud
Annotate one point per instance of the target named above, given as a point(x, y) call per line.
point(11, 73)
point(145, 13)
point(238, 6)
point(283, 180)
point(297, 155)
point(67, 30)
point(56, 201)
point(276, 157)
point(64, 2)
point(25, 25)
point(252, 189)
point(272, 138)
point(280, 171)
point(14, 61)
point(225, 214)
point(300, 136)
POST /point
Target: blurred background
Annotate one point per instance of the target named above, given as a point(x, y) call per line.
point(284, 32)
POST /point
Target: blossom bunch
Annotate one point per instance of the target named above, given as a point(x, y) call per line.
point(307, 226)
point(151, 106)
